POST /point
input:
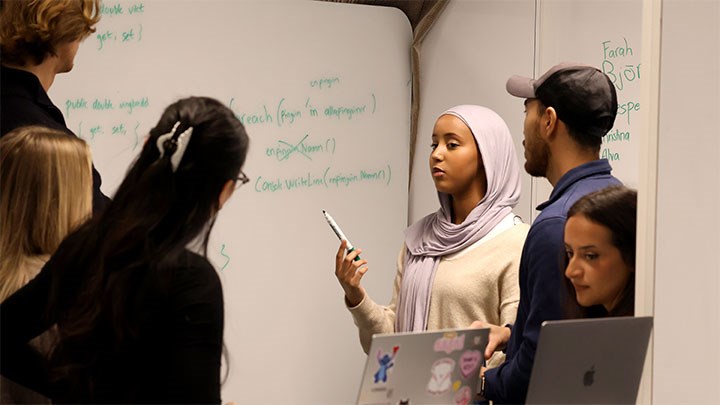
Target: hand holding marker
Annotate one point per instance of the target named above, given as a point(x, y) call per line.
point(349, 273)
point(339, 233)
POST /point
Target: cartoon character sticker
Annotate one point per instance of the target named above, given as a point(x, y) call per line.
point(440, 376)
point(449, 343)
point(463, 396)
point(469, 362)
point(385, 362)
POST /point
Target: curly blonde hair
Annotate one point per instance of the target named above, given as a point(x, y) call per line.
point(31, 30)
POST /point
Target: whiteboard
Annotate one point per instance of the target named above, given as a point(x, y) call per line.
point(605, 34)
point(324, 92)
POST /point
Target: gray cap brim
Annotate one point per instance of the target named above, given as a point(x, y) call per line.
point(520, 86)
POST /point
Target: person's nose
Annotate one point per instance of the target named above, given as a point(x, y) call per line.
point(437, 153)
point(573, 270)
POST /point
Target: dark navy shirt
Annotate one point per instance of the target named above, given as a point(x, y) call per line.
point(541, 280)
point(23, 101)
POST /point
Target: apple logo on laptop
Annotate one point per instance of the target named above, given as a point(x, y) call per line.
point(589, 376)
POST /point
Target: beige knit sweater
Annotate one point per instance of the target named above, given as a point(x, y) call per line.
point(477, 283)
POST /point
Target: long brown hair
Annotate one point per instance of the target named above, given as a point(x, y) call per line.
point(46, 183)
point(615, 208)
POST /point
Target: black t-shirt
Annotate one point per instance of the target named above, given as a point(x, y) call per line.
point(23, 101)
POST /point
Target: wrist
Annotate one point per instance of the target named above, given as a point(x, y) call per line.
point(507, 333)
point(353, 299)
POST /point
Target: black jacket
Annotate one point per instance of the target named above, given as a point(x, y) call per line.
point(23, 101)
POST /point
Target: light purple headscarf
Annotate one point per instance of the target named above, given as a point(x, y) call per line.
point(435, 235)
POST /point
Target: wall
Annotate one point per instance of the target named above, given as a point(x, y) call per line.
point(687, 266)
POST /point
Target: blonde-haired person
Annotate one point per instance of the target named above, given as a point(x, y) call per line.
point(38, 40)
point(46, 182)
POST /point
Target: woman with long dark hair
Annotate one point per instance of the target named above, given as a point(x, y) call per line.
point(139, 315)
point(600, 237)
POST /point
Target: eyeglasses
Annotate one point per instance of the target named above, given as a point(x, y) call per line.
point(241, 179)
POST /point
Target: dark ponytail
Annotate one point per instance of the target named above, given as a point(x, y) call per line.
point(121, 257)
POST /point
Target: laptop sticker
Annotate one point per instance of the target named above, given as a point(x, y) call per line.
point(463, 396)
point(385, 362)
point(469, 362)
point(440, 376)
point(449, 343)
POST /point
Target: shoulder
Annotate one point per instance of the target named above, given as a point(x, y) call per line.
point(500, 251)
point(508, 241)
point(24, 102)
point(545, 234)
point(517, 233)
point(193, 266)
point(194, 277)
point(584, 187)
point(547, 224)
point(191, 260)
point(17, 112)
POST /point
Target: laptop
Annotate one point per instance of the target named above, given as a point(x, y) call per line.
point(432, 367)
point(589, 361)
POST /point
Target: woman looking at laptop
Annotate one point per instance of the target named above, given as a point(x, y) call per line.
point(460, 263)
point(600, 249)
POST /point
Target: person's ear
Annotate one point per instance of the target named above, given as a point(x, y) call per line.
point(225, 193)
point(549, 123)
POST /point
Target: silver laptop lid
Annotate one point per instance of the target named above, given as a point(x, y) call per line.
point(438, 367)
point(589, 361)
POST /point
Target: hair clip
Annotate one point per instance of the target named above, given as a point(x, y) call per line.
point(174, 145)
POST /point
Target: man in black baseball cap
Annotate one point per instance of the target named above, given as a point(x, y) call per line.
point(567, 112)
point(583, 97)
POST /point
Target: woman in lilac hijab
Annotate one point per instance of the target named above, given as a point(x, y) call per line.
point(459, 264)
